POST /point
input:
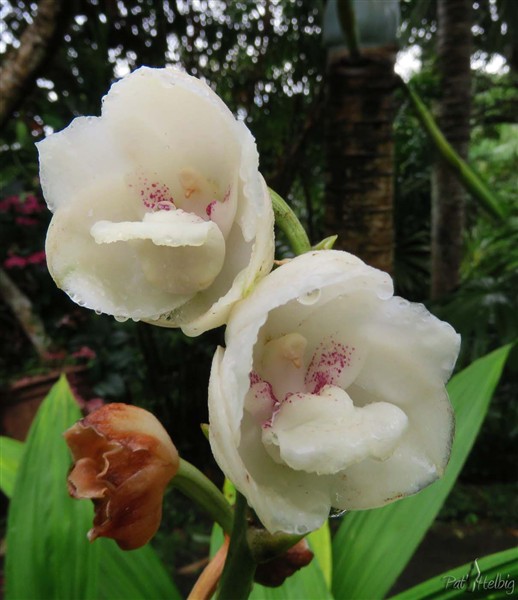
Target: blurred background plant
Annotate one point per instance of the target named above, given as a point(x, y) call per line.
point(268, 62)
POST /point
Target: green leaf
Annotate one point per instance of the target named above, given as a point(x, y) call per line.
point(320, 543)
point(48, 555)
point(11, 452)
point(371, 548)
point(485, 198)
point(498, 578)
point(135, 575)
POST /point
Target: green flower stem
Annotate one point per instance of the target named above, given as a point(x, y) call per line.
point(287, 220)
point(193, 483)
point(471, 181)
point(265, 546)
point(238, 575)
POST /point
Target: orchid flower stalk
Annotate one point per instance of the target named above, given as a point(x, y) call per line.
point(330, 391)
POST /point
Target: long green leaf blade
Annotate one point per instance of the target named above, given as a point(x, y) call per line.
point(11, 452)
point(135, 575)
point(486, 199)
point(498, 579)
point(320, 543)
point(48, 555)
point(372, 548)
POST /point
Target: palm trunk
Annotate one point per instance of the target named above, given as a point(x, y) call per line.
point(448, 194)
point(359, 186)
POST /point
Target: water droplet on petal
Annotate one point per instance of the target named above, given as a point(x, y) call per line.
point(310, 297)
point(120, 319)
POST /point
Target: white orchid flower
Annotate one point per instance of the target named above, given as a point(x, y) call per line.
point(330, 393)
point(160, 212)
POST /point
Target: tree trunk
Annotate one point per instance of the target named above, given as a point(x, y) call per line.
point(21, 66)
point(448, 194)
point(359, 185)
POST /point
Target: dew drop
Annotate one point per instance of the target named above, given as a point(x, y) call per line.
point(98, 312)
point(310, 297)
point(334, 513)
point(120, 319)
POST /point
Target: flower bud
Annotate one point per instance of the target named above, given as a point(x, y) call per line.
point(123, 461)
point(274, 572)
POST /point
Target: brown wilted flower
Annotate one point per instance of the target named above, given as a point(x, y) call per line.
point(123, 461)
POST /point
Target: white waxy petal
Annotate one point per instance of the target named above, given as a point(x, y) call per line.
point(260, 401)
point(81, 157)
point(326, 433)
point(180, 130)
point(188, 248)
point(165, 142)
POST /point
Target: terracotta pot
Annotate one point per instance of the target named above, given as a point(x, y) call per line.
point(20, 400)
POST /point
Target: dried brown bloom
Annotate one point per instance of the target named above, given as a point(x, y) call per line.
point(123, 461)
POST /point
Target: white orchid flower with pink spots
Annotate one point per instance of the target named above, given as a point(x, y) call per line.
point(330, 393)
point(160, 212)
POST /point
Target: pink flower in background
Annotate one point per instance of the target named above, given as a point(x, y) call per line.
point(7, 202)
point(13, 262)
point(26, 221)
point(29, 205)
point(36, 258)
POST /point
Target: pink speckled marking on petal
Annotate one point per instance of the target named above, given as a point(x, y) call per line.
point(210, 208)
point(261, 389)
point(328, 362)
point(155, 195)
